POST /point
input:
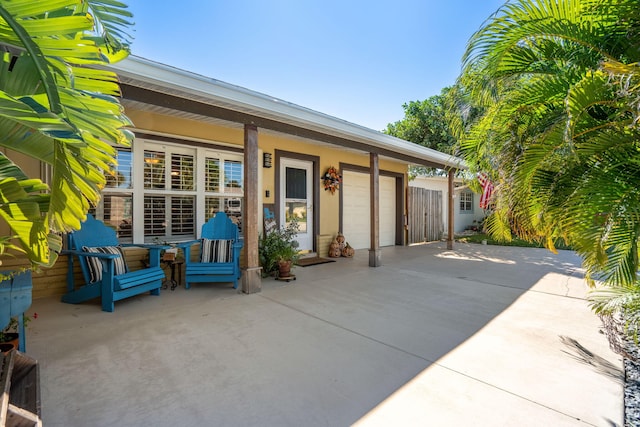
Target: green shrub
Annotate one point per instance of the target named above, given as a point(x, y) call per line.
point(478, 238)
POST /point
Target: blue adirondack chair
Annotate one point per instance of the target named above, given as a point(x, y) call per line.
point(219, 259)
point(104, 269)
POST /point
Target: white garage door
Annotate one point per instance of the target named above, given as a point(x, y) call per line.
point(356, 210)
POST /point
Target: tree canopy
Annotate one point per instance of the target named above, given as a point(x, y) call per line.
point(435, 123)
point(424, 124)
point(559, 135)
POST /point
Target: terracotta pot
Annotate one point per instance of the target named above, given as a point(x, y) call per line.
point(6, 347)
point(284, 268)
point(12, 341)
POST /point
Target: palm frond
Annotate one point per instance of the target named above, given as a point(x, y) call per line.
point(560, 131)
point(67, 112)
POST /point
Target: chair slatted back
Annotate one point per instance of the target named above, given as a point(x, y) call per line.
point(220, 227)
point(92, 233)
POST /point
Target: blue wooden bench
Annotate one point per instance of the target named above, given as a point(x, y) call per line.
point(219, 258)
point(104, 268)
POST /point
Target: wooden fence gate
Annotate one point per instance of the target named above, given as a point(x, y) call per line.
point(425, 215)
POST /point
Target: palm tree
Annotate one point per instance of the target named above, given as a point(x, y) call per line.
point(560, 133)
point(57, 106)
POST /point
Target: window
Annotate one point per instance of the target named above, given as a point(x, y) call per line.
point(169, 197)
point(182, 169)
point(233, 177)
point(121, 178)
point(116, 207)
point(169, 187)
point(118, 212)
point(212, 174)
point(154, 170)
point(295, 190)
point(224, 177)
point(466, 202)
point(169, 216)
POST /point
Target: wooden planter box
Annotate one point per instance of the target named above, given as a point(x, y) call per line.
point(20, 388)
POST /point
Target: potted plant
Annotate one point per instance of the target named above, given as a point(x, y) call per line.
point(10, 335)
point(286, 257)
point(278, 250)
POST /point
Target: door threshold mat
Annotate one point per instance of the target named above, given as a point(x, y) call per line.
point(306, 262)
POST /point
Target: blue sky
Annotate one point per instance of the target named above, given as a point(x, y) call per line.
point(353, 59)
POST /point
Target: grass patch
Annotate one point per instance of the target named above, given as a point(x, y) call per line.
point(478, 238)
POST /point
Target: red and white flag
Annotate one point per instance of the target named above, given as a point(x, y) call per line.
point(487, 190)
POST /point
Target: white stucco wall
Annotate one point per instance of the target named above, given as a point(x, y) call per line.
point(460, 220)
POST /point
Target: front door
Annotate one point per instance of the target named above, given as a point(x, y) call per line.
point(296, 178)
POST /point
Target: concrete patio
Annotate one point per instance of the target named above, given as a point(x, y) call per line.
point(482, 336)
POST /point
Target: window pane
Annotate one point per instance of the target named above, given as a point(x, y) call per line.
point(182, 172)
point(182, 216)
point(122, 174)
point(118, 213)
point(211, 207)
point(297, 211)
point(231, 206)
point(233, 209)
point(212, 174)
point(466, 202)
point(154, 216)
point(296, 184)
point(232, 176)
point(154, 173)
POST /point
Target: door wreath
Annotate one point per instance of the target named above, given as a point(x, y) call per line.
point(331, 180)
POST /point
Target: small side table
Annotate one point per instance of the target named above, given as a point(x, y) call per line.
point(174, 283)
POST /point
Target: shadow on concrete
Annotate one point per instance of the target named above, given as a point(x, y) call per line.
point(583, 355)
point(323, 350)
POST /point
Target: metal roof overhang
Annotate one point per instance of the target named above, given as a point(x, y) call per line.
point(171, 89)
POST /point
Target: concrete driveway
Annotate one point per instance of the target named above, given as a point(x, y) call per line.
point(482, 336)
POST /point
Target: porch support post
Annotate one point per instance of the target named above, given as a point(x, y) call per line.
point(450, 212)
point(374, 173)
point(252, 272)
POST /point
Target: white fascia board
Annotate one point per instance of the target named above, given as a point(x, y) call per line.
point(166, 76)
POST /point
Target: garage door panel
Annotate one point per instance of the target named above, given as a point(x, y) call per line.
point(356, 207)
point(356, 220)
point(387, 211)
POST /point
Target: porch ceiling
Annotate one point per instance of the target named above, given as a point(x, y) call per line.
point(167, 90)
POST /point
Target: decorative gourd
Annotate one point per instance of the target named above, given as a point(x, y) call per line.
point(340, 239)
point(348, 251)
point(334, 249)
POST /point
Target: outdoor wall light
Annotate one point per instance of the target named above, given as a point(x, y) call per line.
point(266, 160)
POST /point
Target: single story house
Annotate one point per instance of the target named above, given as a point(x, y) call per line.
point(204, 146)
